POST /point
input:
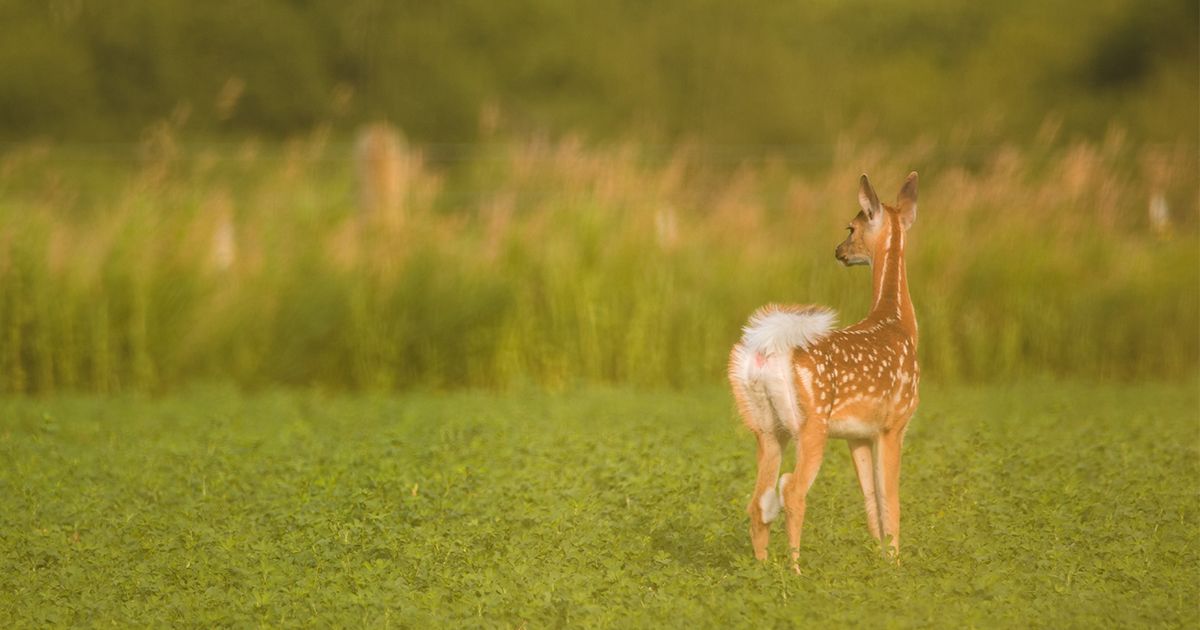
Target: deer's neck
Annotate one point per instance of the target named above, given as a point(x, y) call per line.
point(891, 302)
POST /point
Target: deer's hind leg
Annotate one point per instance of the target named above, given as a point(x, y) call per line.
point(764, 504)
point(759, 414)
point(810, 452)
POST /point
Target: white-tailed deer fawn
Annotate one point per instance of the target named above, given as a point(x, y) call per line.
point(796, 378)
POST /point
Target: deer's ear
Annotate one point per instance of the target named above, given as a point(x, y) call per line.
point(868, 199)
point(907, 202)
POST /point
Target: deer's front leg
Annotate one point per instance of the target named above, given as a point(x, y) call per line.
point(810, 450)
point(887, 475)
point(764, 507)
point(860, 452)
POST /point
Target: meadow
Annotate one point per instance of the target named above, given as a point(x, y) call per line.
point(552, 261)
point(230, 395)
point(248, 377)
point(1047, 504)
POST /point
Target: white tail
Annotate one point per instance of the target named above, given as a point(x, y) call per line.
point(762, 362)
point(775, 328)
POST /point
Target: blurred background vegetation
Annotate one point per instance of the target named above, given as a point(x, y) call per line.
point(596, 192)
point(734, 73)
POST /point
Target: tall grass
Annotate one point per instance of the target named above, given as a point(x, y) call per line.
point(551, 261)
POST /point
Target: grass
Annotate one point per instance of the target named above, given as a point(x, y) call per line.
point(552, 262)
point(1044, 504)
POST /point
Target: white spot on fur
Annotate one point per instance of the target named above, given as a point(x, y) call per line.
point(771, 500)
point(805, 380)
point(770, 504)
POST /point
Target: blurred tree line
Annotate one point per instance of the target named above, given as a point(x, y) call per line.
point(736, 73)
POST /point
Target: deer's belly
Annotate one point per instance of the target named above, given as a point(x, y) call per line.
point(852, 428)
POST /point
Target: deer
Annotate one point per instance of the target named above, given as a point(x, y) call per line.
point(797, 378)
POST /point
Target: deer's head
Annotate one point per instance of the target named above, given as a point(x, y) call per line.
point(875, 223)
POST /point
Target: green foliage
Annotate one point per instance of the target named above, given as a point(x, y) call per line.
point(553, 263)
point(741, 74)
point(1045, 504)
point(47, 75)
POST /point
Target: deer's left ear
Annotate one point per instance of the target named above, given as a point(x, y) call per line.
point(907, 202)
point(868, 200)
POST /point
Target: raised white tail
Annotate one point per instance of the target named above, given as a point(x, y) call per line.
point(779, 328)
point(761, 363)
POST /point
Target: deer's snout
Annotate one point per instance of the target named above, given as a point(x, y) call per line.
point(847, 256)
point(840, 254)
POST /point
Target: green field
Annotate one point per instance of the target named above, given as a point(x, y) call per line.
point(1044, 504)
point(318, 313)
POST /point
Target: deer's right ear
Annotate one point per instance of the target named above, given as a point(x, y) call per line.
point(908, 201)
point(868, 199)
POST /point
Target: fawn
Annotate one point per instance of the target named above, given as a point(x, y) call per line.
point(795, 377)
